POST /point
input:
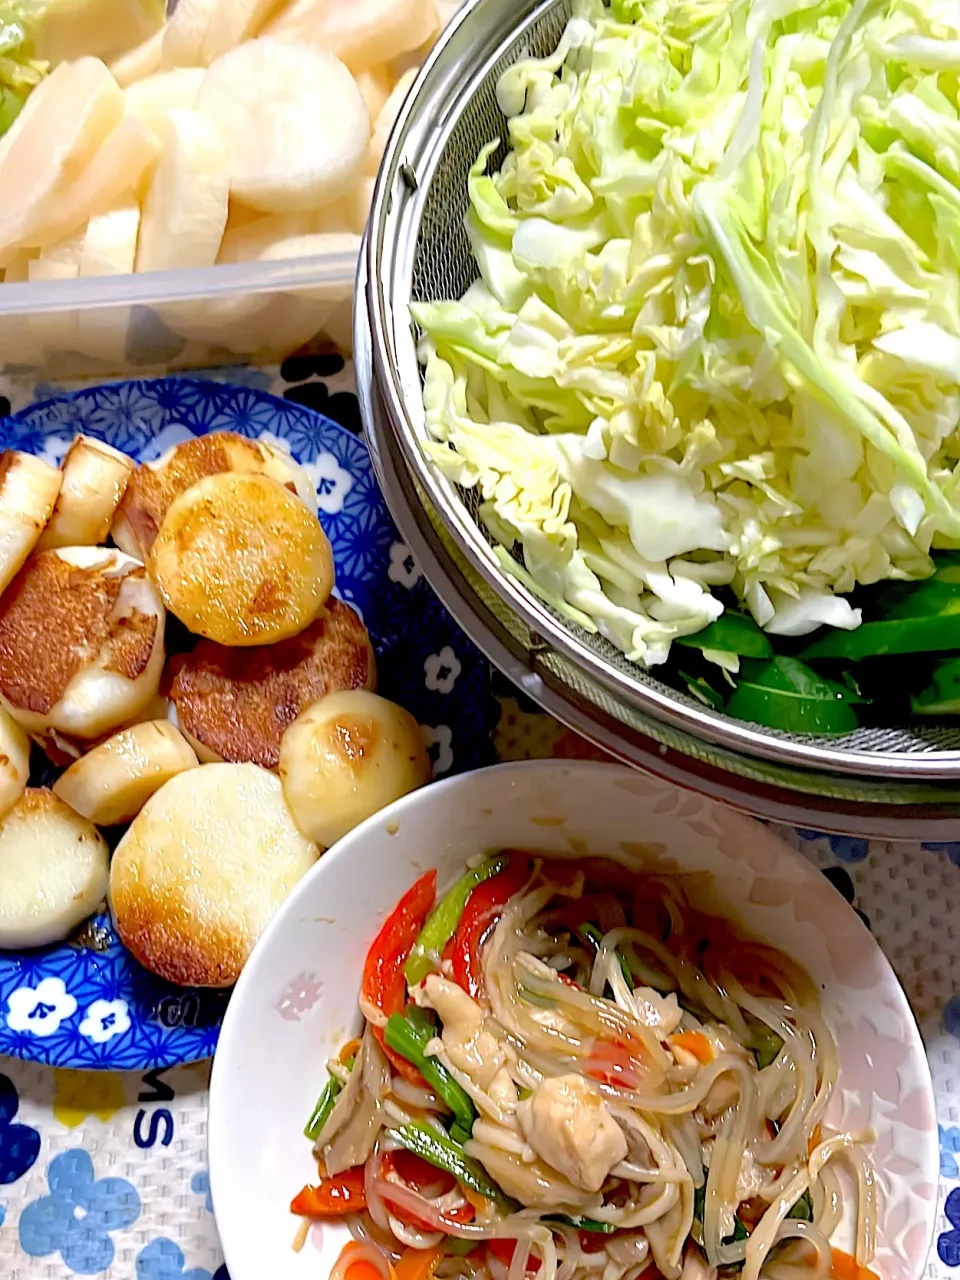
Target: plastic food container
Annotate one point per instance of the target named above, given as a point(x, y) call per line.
point(138, 324)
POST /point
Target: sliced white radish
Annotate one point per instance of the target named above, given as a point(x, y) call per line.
point(375, 84)
point(232, 22)
point(112, 783)
point(104, 28)
point(114, 171)
point(80, 103)
point(54, 870)
point(140, 62)
point(14, 761)
point(311, 246)
point(152, 99)
point(185, 210)
point(57, 329)
point(94, 480)
point(387, 118)
point(249, 241)
point(295, 124)
point(183, 35)
point(350, 212)
point(109, 249)
point(361, 33)
point(18, 341)
point(110, 245)
point(28, 490)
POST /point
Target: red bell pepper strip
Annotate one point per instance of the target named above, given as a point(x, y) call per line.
point(479, 917)
point(384, 986)
point(615, 1062)
point(334, 1197)
point(503, 1251)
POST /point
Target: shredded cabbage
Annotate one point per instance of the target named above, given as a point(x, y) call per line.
point(715, 339)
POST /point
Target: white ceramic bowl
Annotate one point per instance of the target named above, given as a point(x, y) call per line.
point(296, 1001)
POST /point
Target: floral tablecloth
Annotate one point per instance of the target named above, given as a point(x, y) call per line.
point(105, 1174)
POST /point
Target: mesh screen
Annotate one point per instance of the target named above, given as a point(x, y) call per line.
point(444, 268)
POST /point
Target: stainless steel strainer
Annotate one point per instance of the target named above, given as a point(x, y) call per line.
point(418, 250)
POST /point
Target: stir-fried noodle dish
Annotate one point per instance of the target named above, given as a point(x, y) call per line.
point(566, 1070)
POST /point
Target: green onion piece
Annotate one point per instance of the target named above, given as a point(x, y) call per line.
point(410, 1041)
point(803, 1208)
point(321, 1112)
point(443, 1153)
point(582, 1224)
point(442, 921)
point(459, 1248)
point(459, 1134)
point(765, 1045)
point(740, 1232)
point(593, 935)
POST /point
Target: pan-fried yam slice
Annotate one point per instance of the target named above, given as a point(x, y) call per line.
point(54, 870)
point(112, 783)
point(239, 559)
point(345, 758)
point(94, 480)
point(28, 491)
point(202, 869)
point(14, 761)
point(81, 642)
point(234, 704)
point(154, 485)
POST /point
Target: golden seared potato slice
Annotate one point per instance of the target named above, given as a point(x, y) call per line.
point(112, 783)
point(154, 485)
point(240, 560)
point(94, 479)
point(202, 869)
point(81, 642)
point(346, 757)
point(234, 704)
point(14, 761)
point(28, 492)
point(54, 870)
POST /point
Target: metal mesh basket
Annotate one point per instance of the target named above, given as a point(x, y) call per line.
point(418, 250)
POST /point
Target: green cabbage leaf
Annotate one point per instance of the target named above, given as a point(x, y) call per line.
point(714, 341)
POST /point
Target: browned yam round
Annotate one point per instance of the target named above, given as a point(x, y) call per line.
point(236, 703)
point(70, 613)
point(154, 486)
point(240, 560)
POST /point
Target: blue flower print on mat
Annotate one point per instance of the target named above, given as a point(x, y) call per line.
point(951, 848)
point(846, 848)
point(949, 1148)
point(948, 1245)
point(163, 1260)
point(3, 1214)
point(200, 1185)
point(76, 1218)
point(19, 1144)
point(951, 1016)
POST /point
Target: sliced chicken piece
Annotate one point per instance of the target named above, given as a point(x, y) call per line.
point(568, 1125)
point(470, 1047)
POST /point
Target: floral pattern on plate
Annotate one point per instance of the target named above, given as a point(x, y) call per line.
point(74, 1006)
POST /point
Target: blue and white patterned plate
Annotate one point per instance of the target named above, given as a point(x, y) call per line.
point(76, 1006)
